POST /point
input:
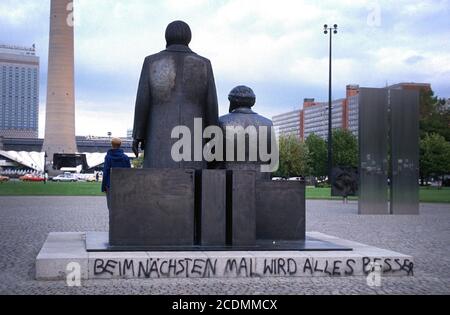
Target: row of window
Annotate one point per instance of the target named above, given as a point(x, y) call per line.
point(4, 80)
point(323, 118)
point(322, 121)
point(323, 108)
point(14, 122)
point(322, 115)
point(289, 130)
point(320, 127)
point(5, 97)
point(16, 77)
point(27, 112)
point(18, 119)
point(297, 123)
point(23, 72)
point(32, 95)
point(17, 93)
point(286, 116)
point(15, 68)
point(11, 124)
point(17, 84)
point(282, 121)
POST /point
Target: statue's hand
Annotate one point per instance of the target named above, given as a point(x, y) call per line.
point(136, 145)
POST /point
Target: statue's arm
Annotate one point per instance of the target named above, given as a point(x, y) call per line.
point(212, 106)
point(142, 110)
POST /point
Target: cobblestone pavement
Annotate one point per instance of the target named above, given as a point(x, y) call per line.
point(26, 221)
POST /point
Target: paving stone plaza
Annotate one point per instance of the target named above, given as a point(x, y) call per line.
point(27, 221)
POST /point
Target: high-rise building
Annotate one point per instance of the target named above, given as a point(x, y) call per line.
point(352, 109)
point(288, 123)
point(60, 109)
point(313, 118)
point(345, 113)
point(19, 92)
point(130, 133)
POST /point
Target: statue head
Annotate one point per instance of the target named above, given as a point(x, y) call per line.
point(241, 96)
point(178, 33)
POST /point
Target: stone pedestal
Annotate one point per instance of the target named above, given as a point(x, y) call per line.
point(242, 212)
point(213, 231)
point(152, 207)
point(62, 251)
point(280, 210)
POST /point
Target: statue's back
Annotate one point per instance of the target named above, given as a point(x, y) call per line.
point(182, 88)
point(176, 87)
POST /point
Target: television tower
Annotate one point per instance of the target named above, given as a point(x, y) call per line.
point(60, 109)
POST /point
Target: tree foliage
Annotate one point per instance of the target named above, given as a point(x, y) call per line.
point(434, 116)
point(345, 148)
point(434, 156)
point(294, 157)
point(318, 156)
point(138, 162)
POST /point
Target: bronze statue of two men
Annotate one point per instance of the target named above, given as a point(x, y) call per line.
point(177, 87)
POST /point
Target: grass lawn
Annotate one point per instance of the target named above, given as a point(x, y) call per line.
point(430, 194)
point(322, 194)
point(435, 195)
point(16, 188)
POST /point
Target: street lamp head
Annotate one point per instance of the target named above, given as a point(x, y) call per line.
point(325, 32)
point(335, 26)
point(325, 26)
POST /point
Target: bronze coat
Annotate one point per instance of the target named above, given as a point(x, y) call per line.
point(176, 86)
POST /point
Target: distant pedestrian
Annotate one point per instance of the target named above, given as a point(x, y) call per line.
point(115, 158)
point(45, 178)
point(97, 177)
point(345, 199)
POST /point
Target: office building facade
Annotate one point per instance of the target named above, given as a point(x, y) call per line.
point(313, 118)
point(19, 92)
point(288, 124)
point(130, 133)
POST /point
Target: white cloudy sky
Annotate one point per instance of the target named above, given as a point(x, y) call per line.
point(276, 47)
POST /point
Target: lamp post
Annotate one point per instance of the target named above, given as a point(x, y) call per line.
point(45, 162)
point(331, 30)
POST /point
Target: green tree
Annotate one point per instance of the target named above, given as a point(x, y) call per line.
point(345, 148)
point(434, 156)
point(138, 162)
point(294, 157)
point(318, 156)
point(434, 116)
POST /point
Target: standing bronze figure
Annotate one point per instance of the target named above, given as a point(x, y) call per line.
point(176, 86)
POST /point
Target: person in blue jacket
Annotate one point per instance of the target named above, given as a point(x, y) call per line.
point(115, 158)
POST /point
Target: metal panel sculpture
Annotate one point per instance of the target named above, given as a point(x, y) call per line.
point(404, 107)
point(373, 144)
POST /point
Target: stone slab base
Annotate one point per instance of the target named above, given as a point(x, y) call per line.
point(64, 253)
point(99, 242)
